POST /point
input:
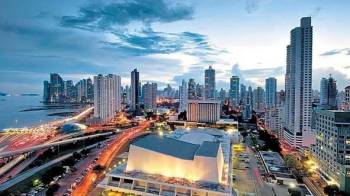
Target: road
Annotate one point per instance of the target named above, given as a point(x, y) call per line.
point(107, 156)
point(249, 180)
point(31, 172)
point(38, 147)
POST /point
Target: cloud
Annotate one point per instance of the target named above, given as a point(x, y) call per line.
point(347, 67)
point(316, 11)
point(252, 5)
point(345, 51)
point(101, 17)
point(151, 42)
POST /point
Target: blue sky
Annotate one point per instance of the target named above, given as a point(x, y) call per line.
point(166, 40)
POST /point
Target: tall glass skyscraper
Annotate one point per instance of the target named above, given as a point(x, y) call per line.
point(234, 90)
point(270, 92)
point(135, 91)
point(328, 93)
point(209, 84)
point(298, 84)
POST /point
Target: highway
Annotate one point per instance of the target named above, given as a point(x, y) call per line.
point(38, 147)
point(107, 157)
point(35, 170)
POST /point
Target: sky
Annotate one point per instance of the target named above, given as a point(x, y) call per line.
point(167, 41)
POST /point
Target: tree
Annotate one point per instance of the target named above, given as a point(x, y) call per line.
point(52, 189)
point(98, 168)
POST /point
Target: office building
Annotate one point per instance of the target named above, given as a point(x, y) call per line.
point(328, 93)
point(243, 94)
point(204, 111)
point(347, 98)
point(258, 99)
point(46, 92)
point(331, 150)
point(56, 88)
point(107, 96)
point(222, 95)
point(183, 91)
point(135, 91)
point(192, 89)
point(234, 90)
point(298, 86)
point(199, 91)
point(150, 95)
point(270, 92)
point(209, 84)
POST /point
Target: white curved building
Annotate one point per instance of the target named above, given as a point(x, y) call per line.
point(175, 158)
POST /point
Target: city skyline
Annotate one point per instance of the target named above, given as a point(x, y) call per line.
point(44, 39)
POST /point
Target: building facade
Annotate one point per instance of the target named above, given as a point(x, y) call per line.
point(204, 111)
point(234, 90)
point(183, 99)
point(209, 84)
point(135, 91)
point(332, 148)
point(298, 85)
point(150, 95)
point(107, 96)
point(328, 93)
point(270, 92)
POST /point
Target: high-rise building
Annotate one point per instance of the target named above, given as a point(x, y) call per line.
point(107, 96)
point(243, 93)
point(209, 84)
point(90, 90)
point(328, 93)
point(183, 96)
point(150, 95)
point(347, 98)
point(331, 150)
point(199, 91)
point(234, 90)
point(205, 111)
point(56, 88)
point(270, 92)
point(222, 94)
point(191, 89)
point(298, 85)
point(46, 93)
point(258, 99)
point(135, 91)
point(82, 90)
point(69, 91)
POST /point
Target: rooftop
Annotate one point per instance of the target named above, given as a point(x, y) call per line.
point(178, 148)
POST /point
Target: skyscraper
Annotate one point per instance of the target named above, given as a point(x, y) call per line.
point(270, 92)
point(150, 95)
point(107, 96)
point(56, 88)
point(298, 83)
point(183, 96)
point(234, 90)
point(46, 93)
point(328, 93)
point(209, 84)
point(258, 99)
point(243, 93)
point(199, 91)
point(191, 89)
point(135, 91)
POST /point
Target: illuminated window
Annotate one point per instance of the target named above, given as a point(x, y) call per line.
point(347, 157)
point(347, 142)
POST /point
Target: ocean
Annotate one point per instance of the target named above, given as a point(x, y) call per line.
point(26, 111)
